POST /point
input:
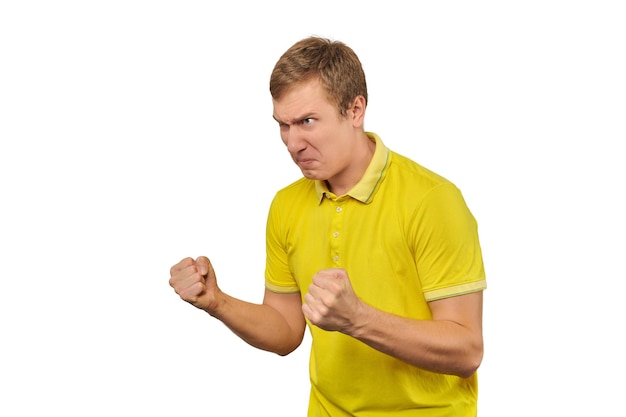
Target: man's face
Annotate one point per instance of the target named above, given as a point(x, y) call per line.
point(318, 139)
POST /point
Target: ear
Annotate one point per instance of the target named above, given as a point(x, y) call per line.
point(357, 111)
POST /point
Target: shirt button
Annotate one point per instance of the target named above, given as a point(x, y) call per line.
point(339, 209)
point(336, 234)
point(336, 258)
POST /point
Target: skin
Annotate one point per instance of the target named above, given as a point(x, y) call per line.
point(329, 147)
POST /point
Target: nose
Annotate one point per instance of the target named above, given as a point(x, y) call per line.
point(293, 139)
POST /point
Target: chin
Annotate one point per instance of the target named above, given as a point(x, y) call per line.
point(312, 175)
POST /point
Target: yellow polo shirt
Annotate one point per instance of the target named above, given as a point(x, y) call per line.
point(405, 236)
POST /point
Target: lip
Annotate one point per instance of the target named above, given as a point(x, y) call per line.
point(305, 161)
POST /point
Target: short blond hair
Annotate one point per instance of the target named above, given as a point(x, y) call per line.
point(333, 63)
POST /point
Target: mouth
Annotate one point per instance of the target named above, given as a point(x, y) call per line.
point(305, 163)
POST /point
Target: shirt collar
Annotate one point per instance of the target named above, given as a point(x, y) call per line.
point(364, 189)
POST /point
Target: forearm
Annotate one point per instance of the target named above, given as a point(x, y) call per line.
point(436, 345)
point(259, 325)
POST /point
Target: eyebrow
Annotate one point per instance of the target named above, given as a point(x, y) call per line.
point(296, 120)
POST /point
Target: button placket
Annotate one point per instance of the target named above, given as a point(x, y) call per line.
point(336, 235)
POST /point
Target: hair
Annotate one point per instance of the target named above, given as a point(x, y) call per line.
point(333, 63)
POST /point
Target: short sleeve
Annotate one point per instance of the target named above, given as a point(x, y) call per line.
point(278, 276)
point(447, 248)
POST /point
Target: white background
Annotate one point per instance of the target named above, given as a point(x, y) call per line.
point(136, 133)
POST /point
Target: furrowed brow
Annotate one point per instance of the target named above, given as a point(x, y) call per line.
point(295, 120)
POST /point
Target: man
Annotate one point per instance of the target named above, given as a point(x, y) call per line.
point(379, 256)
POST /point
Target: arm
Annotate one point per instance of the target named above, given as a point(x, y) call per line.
point(277, 325)
point(450, 343)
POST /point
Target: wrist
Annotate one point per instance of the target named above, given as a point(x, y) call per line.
point(218, 305)
point(359, 321)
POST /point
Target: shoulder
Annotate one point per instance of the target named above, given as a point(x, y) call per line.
point(411, 170)
point(413, 180)
point(297, 188)
point(298, 193)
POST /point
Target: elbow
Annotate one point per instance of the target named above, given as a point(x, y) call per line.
point(467, 372)
point(286, 351)
point(471, 363)
point(287, 348)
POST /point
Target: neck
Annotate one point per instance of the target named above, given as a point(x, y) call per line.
point(363, 154)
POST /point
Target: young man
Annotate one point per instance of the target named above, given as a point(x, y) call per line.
point(379, 256)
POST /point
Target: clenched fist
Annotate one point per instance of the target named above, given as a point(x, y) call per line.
point(194, 281)
point(331, 303)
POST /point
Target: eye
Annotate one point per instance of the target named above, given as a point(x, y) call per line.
point(307, 121)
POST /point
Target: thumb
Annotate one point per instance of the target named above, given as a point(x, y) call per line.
point(203, 264)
